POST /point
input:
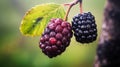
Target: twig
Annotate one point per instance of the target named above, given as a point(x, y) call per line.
point(71, 4)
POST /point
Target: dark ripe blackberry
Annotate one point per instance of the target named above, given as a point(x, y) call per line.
point(47, 31)
point(59, 36)
point(58, 21)
point(56, 37)
point(42, 40)
point(52, 26)
point(42, 46)
point(108, 53)
point(58, 28)
point(84, 27)
point(65, 31)
point(46, 37)
point(64, 40)
point(64, 24)
point(59, 43)
point(52, 34)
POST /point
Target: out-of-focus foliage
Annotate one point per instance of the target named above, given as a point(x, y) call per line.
point(17, 50)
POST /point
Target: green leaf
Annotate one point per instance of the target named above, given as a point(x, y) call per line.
point(36, 19)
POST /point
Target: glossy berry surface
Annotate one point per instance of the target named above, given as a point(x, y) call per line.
point(56, 37)
point(84, 27)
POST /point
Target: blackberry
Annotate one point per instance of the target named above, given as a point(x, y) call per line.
point(56, 37)
point(84, 27)
point(108, 53)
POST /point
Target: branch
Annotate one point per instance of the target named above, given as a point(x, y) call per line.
point(109, 45)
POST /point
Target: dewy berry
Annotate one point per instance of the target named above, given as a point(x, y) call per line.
point(84, 28)
point(56, 37)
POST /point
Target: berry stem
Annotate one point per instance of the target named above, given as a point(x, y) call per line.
point(81, 9)
point(71, 4)
point(66, 16)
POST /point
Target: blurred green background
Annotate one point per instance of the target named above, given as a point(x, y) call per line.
point(17, 50)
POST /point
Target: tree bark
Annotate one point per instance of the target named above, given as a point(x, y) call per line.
point(108, 50)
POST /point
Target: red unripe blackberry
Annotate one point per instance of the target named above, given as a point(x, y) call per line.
point(56, 37)
point(84, 27)
point(52, 40)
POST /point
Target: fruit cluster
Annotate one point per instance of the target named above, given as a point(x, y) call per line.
point(58, 33)
point(84, 28)
point(56, 37)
